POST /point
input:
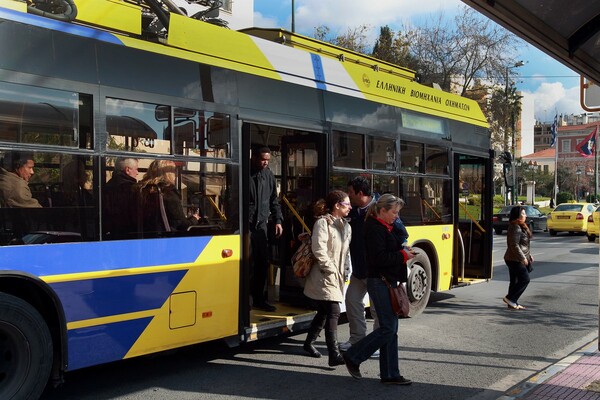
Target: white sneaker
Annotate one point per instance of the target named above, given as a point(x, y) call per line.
point(510, 304)
point(345, 346)
point(376, 354)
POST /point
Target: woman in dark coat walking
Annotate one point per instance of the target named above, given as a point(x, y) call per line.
point(385, 259)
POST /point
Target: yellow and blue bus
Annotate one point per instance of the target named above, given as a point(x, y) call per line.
point(86, 83)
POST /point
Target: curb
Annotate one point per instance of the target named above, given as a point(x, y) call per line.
point(521, 390)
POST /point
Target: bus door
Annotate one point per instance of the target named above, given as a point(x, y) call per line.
point(302, 183)
point(473, 235)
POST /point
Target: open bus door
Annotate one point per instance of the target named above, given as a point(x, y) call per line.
point(473, 211)
point(302, 183)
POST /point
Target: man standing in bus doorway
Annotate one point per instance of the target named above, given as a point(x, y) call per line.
point(359, 192)
point(14, 187)
point(263, 204)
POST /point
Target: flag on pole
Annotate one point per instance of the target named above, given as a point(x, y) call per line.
point(587, 147)
point(553, 130)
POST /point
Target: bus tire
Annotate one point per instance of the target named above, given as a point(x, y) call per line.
point(26, 348)
point(552, 232)
point(591, 238)
point(419, 282)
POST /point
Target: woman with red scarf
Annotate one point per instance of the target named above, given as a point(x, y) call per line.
point(517, 257)
point(387, 259)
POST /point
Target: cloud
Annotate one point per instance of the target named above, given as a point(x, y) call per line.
point(266, 22)
point(339, 15)
point(552, 98)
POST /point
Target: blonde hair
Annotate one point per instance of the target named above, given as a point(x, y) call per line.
point(160, 173)
point(385, 202)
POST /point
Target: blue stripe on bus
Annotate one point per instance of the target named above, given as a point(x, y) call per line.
point(102, 297)
point(103, 343)
point(69, 258)
point(32, 19)
point(317, 65)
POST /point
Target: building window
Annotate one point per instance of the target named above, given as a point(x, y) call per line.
point(566, 146)
point(226, 5)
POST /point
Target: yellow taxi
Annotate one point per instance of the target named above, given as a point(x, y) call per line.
point(593, 229)
point(570, 217)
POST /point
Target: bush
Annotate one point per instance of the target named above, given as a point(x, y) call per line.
point(563, 197)
point(498, 200)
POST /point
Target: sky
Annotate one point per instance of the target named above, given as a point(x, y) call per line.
point(554, 87)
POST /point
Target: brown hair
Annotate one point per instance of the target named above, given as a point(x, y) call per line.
point(513, 218)
point(324, 206)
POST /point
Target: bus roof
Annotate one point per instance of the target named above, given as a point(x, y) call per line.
point(305, 61)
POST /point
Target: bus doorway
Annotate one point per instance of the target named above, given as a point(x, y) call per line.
point(473, 236)
point(302, 183)
point(298, 164)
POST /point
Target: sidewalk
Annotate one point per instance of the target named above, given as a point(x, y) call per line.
point(574, 377)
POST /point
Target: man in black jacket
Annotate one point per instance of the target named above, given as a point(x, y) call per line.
point(119, 201)
point(263, 204)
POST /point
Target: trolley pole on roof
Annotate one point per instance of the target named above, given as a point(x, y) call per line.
point(293, 18)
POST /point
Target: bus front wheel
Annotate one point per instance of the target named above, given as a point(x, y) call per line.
point(26, 349)
point(419, 282)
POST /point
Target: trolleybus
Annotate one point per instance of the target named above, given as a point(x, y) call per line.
point(84, 84)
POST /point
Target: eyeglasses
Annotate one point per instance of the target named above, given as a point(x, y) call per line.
point(344, 203)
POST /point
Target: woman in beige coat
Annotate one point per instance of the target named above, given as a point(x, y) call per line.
point(325, 283)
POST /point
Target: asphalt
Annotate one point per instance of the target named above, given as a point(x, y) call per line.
point(576, 376)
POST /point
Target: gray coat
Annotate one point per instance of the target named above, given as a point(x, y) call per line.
point(517, 244)
point(330, 244)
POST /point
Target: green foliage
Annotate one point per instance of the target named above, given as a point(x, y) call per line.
point(498, 201)
point(563, 197)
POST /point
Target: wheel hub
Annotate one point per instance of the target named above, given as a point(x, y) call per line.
point(417, 282)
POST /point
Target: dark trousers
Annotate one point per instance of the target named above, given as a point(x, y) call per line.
point(327, 316)
point(519, 279)
point(384, 338)
point(259, 263)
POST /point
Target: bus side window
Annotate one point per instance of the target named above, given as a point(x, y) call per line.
point(61, 206)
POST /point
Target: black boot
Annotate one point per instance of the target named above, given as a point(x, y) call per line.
point(311, 337)
point(335, 358)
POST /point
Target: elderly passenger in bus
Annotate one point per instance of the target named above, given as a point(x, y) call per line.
point(160, 207)
point(14, 188)
point(119, 201)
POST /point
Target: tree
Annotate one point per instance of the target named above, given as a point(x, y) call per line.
point(354, 39)
point(456, 54)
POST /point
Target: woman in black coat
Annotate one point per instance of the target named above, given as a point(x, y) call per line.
point(385, 259)
point(159, 181)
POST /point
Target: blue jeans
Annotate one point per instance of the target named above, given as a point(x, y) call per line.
point(384, 338)
point(519, 279)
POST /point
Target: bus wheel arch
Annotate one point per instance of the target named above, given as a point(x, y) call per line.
point(37, 295)
point(421, 279)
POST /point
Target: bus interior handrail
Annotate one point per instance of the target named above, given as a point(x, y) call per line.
point(471, 217)
point(293, 210)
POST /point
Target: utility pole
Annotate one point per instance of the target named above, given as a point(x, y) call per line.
point(510, 120)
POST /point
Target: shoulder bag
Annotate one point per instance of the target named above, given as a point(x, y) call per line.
point(303, 259)
point(399, 299)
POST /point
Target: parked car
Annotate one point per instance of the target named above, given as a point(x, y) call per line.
point(536, 220)
point(570, 217)
point(593, 228)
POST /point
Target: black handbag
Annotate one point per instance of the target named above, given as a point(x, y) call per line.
point(399, 299)
point(529, 265)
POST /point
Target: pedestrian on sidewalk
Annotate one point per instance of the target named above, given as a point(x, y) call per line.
point(518, 256)
point(331, 237)
point(387, 259)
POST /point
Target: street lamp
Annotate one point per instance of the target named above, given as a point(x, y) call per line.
point(577, 172)
point(533, 166)
point(511, 121)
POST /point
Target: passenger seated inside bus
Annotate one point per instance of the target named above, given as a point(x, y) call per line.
point(119, 200)
point(159, 203)
point(15, 173)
